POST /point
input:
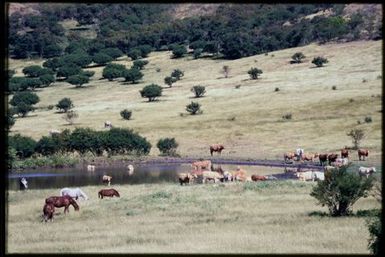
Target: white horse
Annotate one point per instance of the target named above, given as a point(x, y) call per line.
point(73, 192)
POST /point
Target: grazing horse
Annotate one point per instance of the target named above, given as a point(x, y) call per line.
point(23, 184)
point(344, 153)
point(108, 192)
point(48, 211)
point(362, 153)
point(106, 179)
point(332, 158)
point(74, 193)
point(216, 148)
point(62, 201)
point(256, 177)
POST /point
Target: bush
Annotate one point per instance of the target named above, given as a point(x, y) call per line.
point(151, 92)
point(276, 89)
point(167, 146)
point(334, 87)
point(297, 57)
point(132, 75)
point(193, 108)
point(10, 121)
point(102, 58)
point(197, 53)
point(340, 190)
point(126, 114)
point(178, 51)
point(112, 71)
point(287, 116)
point(254, 73)
point(145, 50)
point(169, 81)
point(66, 71)
point(199, 91)
point(47, 79)
point(375, 244)
point(112, 52)
point(134, 53)
point(31, 83)
point(368, 119)
point(24, 97)
point(22, 109)
point(319, 61)
point(64, 104)
point(35, 71)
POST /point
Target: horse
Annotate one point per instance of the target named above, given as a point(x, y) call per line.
point(108, 192)
point(74, 193)
point(62, 201)
point(216, 148)
point(48, 211)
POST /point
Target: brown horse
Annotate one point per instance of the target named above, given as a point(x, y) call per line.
point(62, 201)
point(48, 211)
point(108, 192)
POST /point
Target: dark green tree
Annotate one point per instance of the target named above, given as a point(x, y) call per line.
point(77, 80)
point(47, 79)
point(179, 51)
point(47, 146)
point(126, 114)
point(22, 109)
point(30, 83)
point(24, 97)
point(319, 61)
point(199, 91)
point(167, 146)
point(10, 121)
point(132, 75)
point(194, 108)
point(102, 58)
point(151, 92)
point(112, 52)
point(134, 54)
point(297, 57)
point(24, 146)
point(35, 71)
point(254, 73)
point(177, 73)
point(66, 71)
point(139, 64)
point(53, 63)
point(64, 104)
point(169, 80)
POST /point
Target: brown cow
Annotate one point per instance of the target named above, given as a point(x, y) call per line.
point(198, 165)
point(255, 177)
point(216, 148)
point(309, 156)
point(362, 153)
point(288, 156)
point(184, 178)
point(322, 158)
point(344, 153)
point(239, 174)
point(332, 158)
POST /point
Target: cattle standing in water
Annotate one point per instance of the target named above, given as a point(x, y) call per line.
point(363, 171)
point(48, 211)
point(362, 153)
point(108, 192)
point(216, 148)
point(344, 153)
point(23, 184)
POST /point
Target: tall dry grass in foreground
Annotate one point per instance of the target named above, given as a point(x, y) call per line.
point(265, 217)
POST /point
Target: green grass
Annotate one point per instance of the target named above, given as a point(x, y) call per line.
point(277, 217)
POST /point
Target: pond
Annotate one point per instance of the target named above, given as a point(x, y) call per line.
point(148, 173)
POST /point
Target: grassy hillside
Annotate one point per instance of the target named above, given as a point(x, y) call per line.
point(321, 117)
point(264, 217)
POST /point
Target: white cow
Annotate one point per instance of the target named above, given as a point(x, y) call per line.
point(341, 162)
point(366, 171)
point(310, 175)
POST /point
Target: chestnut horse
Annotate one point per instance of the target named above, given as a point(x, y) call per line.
point(108, 192)
point(62, 201)
point(48, 211)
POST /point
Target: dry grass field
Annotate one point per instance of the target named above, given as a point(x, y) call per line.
point(265, 217)
point(247, 120)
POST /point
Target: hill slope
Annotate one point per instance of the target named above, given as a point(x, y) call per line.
point(247, 120)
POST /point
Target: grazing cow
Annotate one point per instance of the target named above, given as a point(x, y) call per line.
point(298, 153)
point(332, 158)
point(90, 167)
point(107, 179)
point(363, 153)
point(309, 156)
point(322, 158)
point(310, 175)
point(185, 178)
point(256, 177)
point(216, 148)
point(288, 156)
point(23, 184)
point(339, 162)
point(364, 171)
point(344, 153)
point(107, 124)
point(211, 175)
point(198, 165)
point(48, 211)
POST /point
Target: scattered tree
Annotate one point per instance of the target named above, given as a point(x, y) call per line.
point(167, 146)
point(134, 54)
point(78, 80)
point(132, 75)
point(47, 79)
point(151, 92)
point(35, 71)
point(197, 53)
point(24, 146)
point(71, 116)
point(112, 51)
point(126, 114)
point(193, 108)
point(340, 190)
point(22, 109)
point(139, 64)
point(169, 80)
point(254, 73)
point(102, 58)
point(177, 73)
point(24, 97)
point(112, 71)
point(319, 61)
point(179, 51)
point(66, 71)
point(297, 57)
point(199, 91)
point(357, 135)
point(64, 104)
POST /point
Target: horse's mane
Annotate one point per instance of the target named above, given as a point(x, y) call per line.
point(73, 202)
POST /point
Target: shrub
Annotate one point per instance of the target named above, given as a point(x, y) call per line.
point(134, 54)
point(167, 146)
point(357, 135)
point(334, 87)
point(87, 73)
point(178, 51)
point(276, 89)
point(368, 119)
point(47, 79)
point(287, 116)
point(177, 73)
point(64, 104)
point(22, 109)
point(254, 73)
point(199, 91)
point(340, 190)
point(35, 71)
point(31, 83)
point(193, 108)
point(319, 61)
point(145, 50)
point(158, 69)
point(169, 80)
point(197, 53)
point(24, 97)
point(112, 52)
point(151, 92)
point(297, 57)
point(111, 72)
point(364, 81)
point(10, 121)
point(375, 244)
point(238, 86)
point(66, 71)
point(126, 114)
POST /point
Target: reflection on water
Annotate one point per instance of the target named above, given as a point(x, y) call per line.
point(152, 173)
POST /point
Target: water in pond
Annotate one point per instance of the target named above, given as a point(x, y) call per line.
point(152, 173)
